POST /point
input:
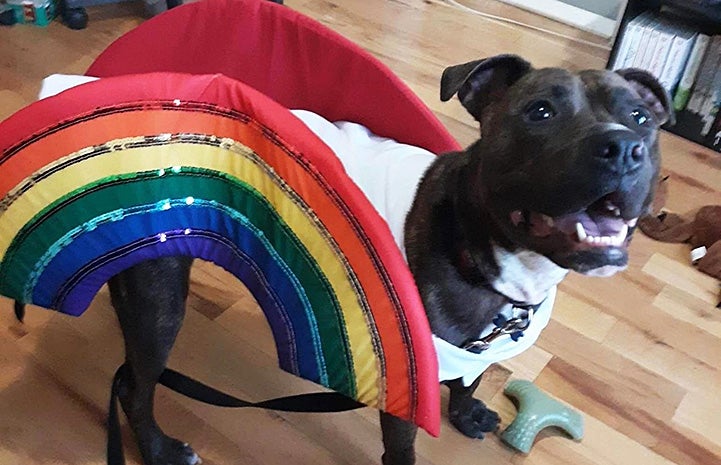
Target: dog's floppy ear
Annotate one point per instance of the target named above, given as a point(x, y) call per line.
point(480, 82)
point(652, 92)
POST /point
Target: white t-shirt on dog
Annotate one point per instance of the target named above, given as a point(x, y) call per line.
point(388, 173)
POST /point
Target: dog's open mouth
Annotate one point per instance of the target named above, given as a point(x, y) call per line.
point(601, 224)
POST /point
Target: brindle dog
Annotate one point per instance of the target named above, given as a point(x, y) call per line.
point(566, 165)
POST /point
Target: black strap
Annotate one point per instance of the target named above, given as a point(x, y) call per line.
point(115, 438)
point(316, 402)
point(19, 311)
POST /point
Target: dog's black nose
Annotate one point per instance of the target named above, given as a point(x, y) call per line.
point(623, 150)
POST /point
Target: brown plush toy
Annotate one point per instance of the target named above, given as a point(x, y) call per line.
point(702, 229)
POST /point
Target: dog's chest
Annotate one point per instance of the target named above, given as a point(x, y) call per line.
point(455, 362)
point(525, 276)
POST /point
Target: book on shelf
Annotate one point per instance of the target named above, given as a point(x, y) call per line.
point(710, 106)
point(630, 41)
point(687, 62)
point(647, 44)
point(713, 138)
point(702, 87)
point(653, 43)
point(662, 36)
point(693, 64)
point(679, 53)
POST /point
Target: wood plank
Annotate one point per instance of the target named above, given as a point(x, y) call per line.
point(690, 309)
point(683, 277)
point(658, 356)
point(622, 380)
point(582, 317)
point(698, 412)
point(625, 411)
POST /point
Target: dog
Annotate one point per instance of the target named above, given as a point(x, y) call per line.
point(566, 164)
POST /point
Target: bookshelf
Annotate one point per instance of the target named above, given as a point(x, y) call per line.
point(699, 16)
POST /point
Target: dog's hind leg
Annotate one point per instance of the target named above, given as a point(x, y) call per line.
point(468, 414)
point(149, 300)
point(399, 437)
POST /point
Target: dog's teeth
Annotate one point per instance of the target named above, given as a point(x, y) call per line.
point(615, 240)
point(548, 220)
point(618, 239)
point(632, 222)
point(622, 235)
point(581, 232)
point(610, 206)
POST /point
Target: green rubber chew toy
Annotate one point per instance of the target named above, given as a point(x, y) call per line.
point(537, 411)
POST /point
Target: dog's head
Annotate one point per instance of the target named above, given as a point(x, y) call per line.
point(568, 161)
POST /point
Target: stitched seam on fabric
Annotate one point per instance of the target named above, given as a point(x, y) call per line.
point(142, 243)
point(343, 208)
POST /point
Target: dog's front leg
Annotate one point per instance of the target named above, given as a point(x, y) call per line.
point(468, 414)
point(399, 437)
point(149, 300)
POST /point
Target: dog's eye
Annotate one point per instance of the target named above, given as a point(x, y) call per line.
point(540, 110)
point(640, 116)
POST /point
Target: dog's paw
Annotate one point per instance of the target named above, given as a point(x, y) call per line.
point(173, 452)
point(476, 420)
point(182, 454)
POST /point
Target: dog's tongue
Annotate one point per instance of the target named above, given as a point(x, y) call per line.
point(600, 225)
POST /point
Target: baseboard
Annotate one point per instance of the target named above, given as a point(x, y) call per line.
point(569, 14)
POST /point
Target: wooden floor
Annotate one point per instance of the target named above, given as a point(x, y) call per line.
point(639, 354)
